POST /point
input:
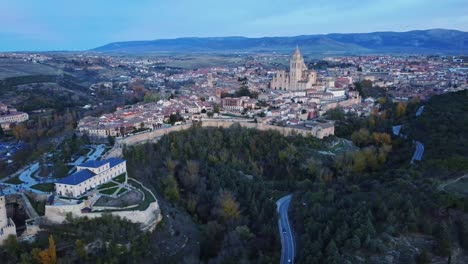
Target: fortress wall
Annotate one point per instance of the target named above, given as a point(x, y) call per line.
point(286, 131)
point(147, 218)
point(6, 231)
point(57, 213)
point(345, 103)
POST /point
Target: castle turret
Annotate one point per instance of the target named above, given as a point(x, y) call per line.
point(7, 226)
point(3, 212)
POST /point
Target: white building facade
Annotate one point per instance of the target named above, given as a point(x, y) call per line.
point(90, 175)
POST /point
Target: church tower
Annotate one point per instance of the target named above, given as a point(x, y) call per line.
point(297, 68)
point(298, 77)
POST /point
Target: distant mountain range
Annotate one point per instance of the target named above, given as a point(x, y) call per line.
point(418, 41)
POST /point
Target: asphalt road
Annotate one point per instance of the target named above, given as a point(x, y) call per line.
point(420, 110)
point(418, 152)
point(287, 240)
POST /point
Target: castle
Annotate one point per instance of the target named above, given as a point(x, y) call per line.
point(10, 116)
point(89, 175)
point(298, 78)
point(7, 226)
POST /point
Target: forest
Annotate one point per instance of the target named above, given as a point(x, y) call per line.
point(365, 204)
point(357, 206)
point(228, 180)
point(396, 212)
point(443, 129)
point(101, 240)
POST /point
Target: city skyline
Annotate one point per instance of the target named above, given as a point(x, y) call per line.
point(56, 25)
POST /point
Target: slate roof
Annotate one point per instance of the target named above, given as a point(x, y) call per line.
point(77, 177)
point(83, 175)
point(94, 163)
point(114, 161)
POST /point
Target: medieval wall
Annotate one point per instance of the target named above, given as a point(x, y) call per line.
point(286, 131)
point(148, 218)
point(7, 226)
point(345, 103)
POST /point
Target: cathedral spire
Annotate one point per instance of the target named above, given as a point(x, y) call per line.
point(297, 54)
point(297, 51)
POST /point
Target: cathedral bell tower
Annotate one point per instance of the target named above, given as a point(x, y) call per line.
point(297, 67)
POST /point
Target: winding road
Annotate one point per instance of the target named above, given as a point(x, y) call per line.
point(420, 110)
point(287, 239)
point(418, 153)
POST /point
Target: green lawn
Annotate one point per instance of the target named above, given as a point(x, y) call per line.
point(44, 187)
point(107, 185)
point(109, 191)
point(120, 178)
point(143, 205)
point(14, 180)
point(84, 151)
point(148, 197)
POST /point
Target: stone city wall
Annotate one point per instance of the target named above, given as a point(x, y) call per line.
point(345, 103)
point(6, 231)
point(116, 151)
point(286, 131)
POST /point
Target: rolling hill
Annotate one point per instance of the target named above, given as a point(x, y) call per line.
point(431, 41)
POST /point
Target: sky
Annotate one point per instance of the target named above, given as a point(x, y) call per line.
point(45, 25)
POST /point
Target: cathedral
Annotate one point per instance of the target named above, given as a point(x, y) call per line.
point(298, 78)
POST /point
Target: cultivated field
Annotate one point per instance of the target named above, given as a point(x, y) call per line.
point(14, 68)
point(202, 61)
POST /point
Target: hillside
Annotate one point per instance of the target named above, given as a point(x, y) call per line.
point(417, 41)
point(443, 129)
point(363, 203)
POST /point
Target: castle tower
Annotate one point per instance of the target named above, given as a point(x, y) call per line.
point(3, 212)
point(7, 226)
point(210, 80)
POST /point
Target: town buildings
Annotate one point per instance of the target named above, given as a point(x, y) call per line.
point(90, 175)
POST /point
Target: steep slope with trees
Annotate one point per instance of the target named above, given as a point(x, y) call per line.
point(395, 212)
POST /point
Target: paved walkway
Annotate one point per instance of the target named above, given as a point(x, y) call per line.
point(26, 174)
point(29, 208)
